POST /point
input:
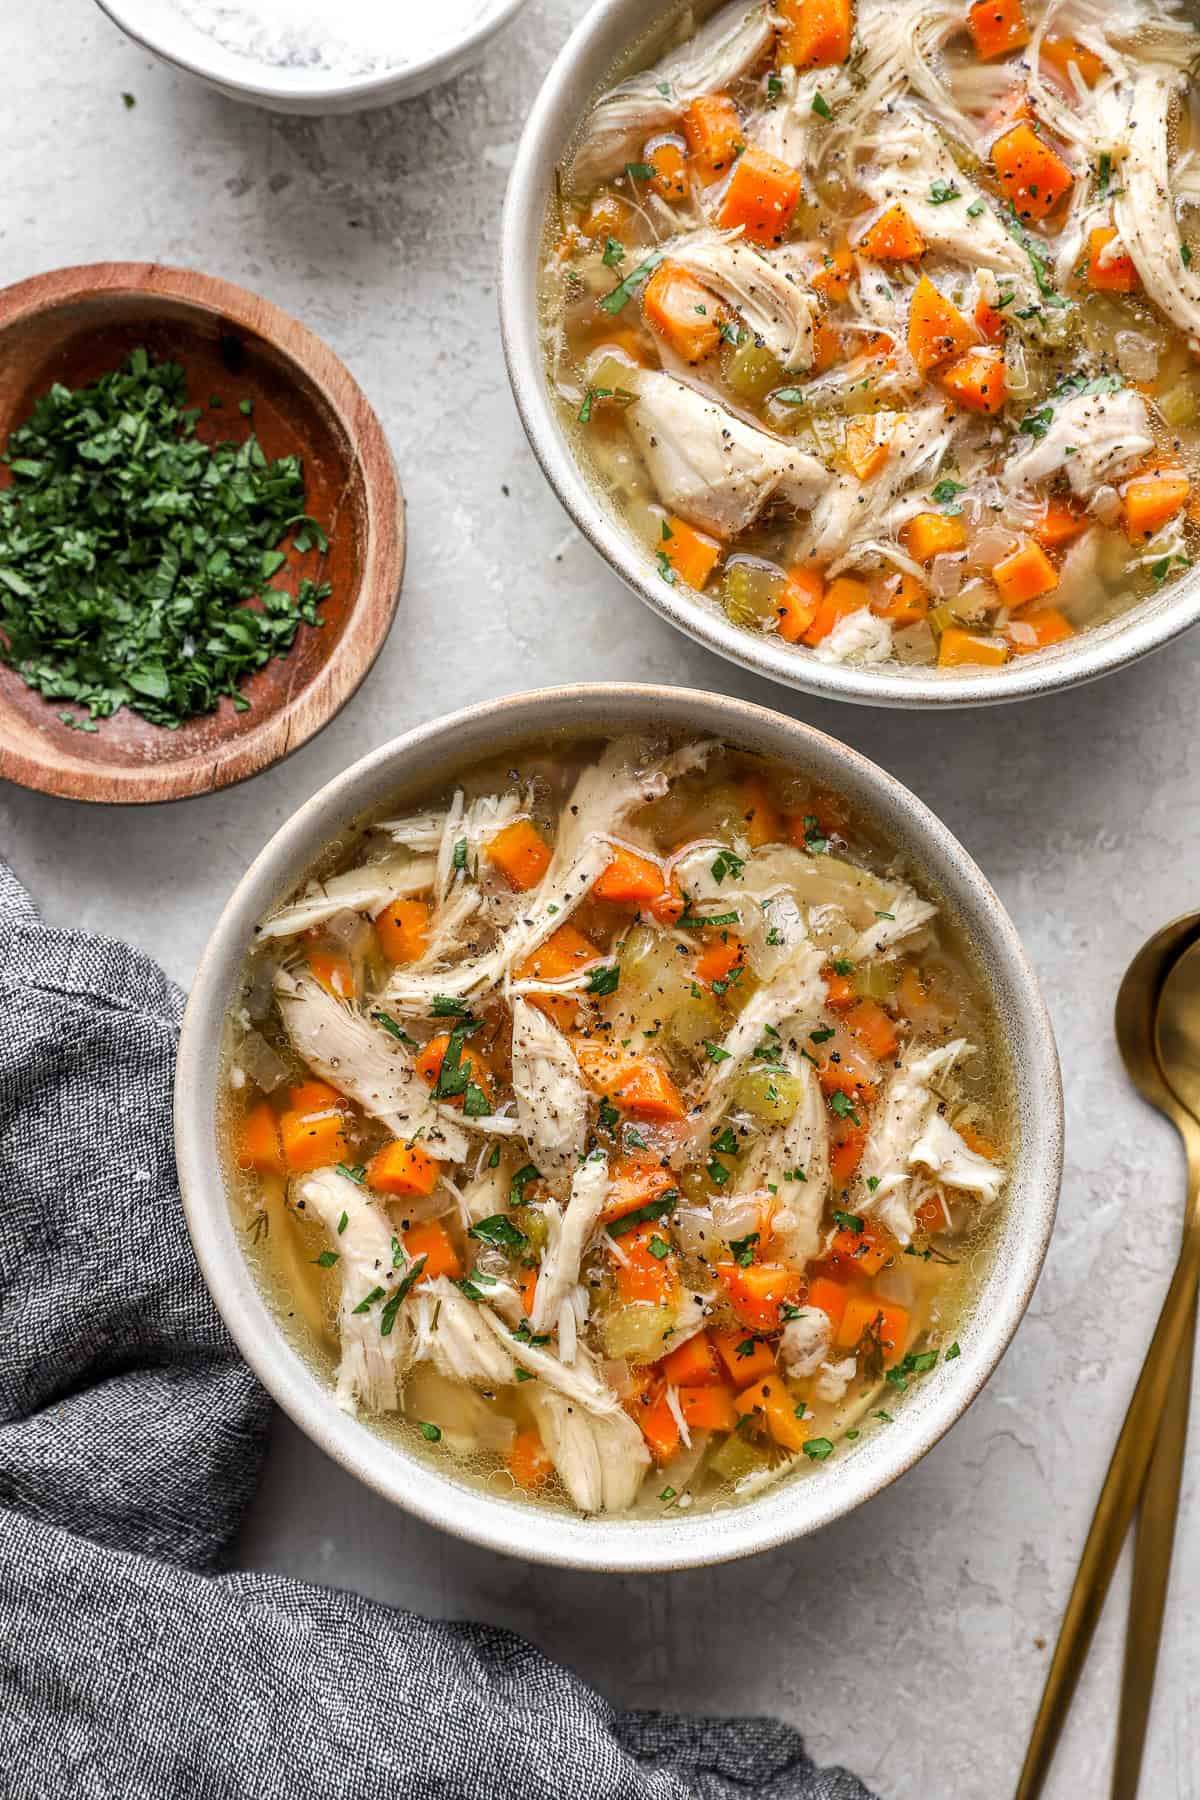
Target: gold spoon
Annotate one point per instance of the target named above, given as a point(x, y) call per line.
point(1149, 993)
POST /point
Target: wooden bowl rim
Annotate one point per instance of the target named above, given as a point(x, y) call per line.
point(294, 721)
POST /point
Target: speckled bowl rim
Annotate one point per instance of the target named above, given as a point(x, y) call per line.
point(303, 90)
point(810, 1499)
point(604, 34)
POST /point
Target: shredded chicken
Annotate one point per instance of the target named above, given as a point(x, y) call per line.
point(860, 637)
point(369, 890)
point(789, 1167)
point(708, 465)
point(804, 1342)
point(942, 1151)
point(570, 1231)
point(1143, 209)
point(851, 511)
point(1094, 438)
point(885, 1177)
point(451, 1333)
point(552, 1102)
point(796, 994)
point(767, 288)
point(370, 1361)
point(600, 1460)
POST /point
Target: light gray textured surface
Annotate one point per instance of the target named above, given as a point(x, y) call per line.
point(908, 1640)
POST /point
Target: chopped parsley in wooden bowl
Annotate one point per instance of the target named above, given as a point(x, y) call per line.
point(201, 534)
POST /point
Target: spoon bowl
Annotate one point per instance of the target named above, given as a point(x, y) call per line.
point(1177, 1030)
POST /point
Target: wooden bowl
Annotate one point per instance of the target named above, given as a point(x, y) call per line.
point(73, 325)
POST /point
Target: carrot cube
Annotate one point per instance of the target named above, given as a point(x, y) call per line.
point(815, 33)
point(758, 1292)
point(259, 1147)
point(718, 960)
point(521, 854)
point(1031, 175)
point(1048, 625)
point(830, 1297)
point(931, 534)
point(432, 1241)
point(403, 929)
point(1059, 53)
point(893, 238)
point(1025, 575)
point(1061, 522)
point(866, 451)
point(997, 27)
point(1151, 499)
point(312, 1140)
point(874, 1030)
point(668, 159)
point(976, 381)
point(907, 602)
point(936, 328)
point(314, 1096)
point(847, 1141)
point(690, 553)
point(471, 1063)
point(643, 1276)
point(746, 1358)
point(770, 1400)
point(633, 880)
point(714, 133)
point(866, 1312)
point(958, 646)
point(832, 279)
point(401, 1168)
point(564, 953)
point(761, 197)
point(1110, 269)
point(334, 971)
point(687, 315)
point(638, 1084)
point(841, 598)
point(527, 1460)
point(634, 1184)
point(762, 818)
point(709, 1408)
point(659, 1427)
point(694, 1364)
point(799, 603)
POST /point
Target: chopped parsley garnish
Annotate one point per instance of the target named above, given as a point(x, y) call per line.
point(849, 1221)
point(645, 1215)
point(726, 863)
point(658, 1248)
point(356, 1172)
point(884, 915)
point(815, 839)
point(343, 1222)
point(951, 1353)
point(604, 980)
point(796, 1174)
point(942, 191)
point(523, 1375)
point(915, 1363)
point(129, 548)
point(885, 1418)
point(800, 1409)
point(1037, 262)
point(476, 1104)
point(327, 1259)
point(823, 1035)
point(726, 1142)
point(624, 291)
point(843, 1106)
point(634, 1139)
point(1105, 173)
point(668, 1493)
point(523, 1335)
point(500, 1232)
point(872, 1182)
point(454, 1074)
point(640, 171)
point(622, 396)
point(717, 1172)
point(821, 106)
point(368, 1302)
point(666, 568)
point(945, 494)
point(747, 1346)
point(493, 1161)
point(472, 1286)
point(731, 334)
point(1037, 424)
point(743, 1249)
point(459, 859)
point(1185, 255)
point(842, 967)
point(774, 87)
point(714, 1052)
point(520, 1181)
point(792, 396)
point(432, 1432)
point(690, 921)
point(609, 1116)
point(817, 1449)
point(387, 1317)
point(976, 207)
point(445, 1006)
point(614, 252)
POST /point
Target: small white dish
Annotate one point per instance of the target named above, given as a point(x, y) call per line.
point(164, 28)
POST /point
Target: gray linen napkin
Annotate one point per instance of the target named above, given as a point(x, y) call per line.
point(131, 1437)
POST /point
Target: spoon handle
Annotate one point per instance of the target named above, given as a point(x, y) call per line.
point(1153, 1543)
point(1114, 1510)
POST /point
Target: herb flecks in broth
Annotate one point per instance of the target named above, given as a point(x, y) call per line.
point(625, 1125)
point(878, 326)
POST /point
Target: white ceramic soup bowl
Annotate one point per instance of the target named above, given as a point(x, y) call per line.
point(585, 64)
point(407, 772)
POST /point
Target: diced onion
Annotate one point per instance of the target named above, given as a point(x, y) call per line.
point(1137, 356)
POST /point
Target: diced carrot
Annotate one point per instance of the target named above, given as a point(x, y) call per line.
point(606, 217)
point(847, 1141)
point(977, 1141)
point(1061, 522)
point(638, 1084)
point(907, 602)
point(829, 346)
point(1048, 625)
point(761, 817)
point(431, 1240)
point(770, 1400)
point(643, 1276)
point(997, 27)
point(1059, 53)
point(527, 1282)
point(714, 133)
point(931, 534)
point(1110, 269)
point(403, 929)
point(976, 381)
point(690, 553)
point(564, 953)
point(931, 1214)
point(401, 1168)
point(845, 1077)
point(668, 159)
point(527, 1460)
point(334, 970)
point(832, 279)
point(717, 961)
point(892, 238)
point(312, 1140)
point(841, 598)
point(687, 315)
point(761, 197)
point(1024, 575)
point(957, 646)
point(862, 1252)
point(660, 1428)
point(259, 1147)
point(798, 604)
point(840, 992)
point(633, 880)
point(471, 1062)
point(1032, 176)
point(758, 1292)
point(314, 1096)
point(746, 1358)
point(1152, 498)
point(521, 854)
point(989, 321)
point(694, 1364)
point(867, 1312)
point(866, 449)
point(635, 1183)
point(830, 1296)
point(814, 33)
point(936, 328)
point(709, 1408)
point(875, 1031)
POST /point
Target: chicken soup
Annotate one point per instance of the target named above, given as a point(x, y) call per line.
point(626, 1128)
point(877, 324)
